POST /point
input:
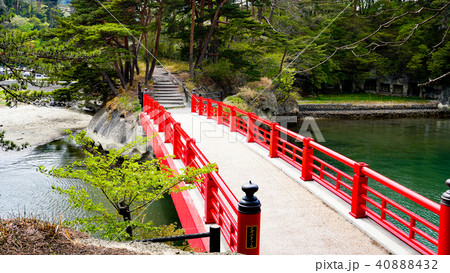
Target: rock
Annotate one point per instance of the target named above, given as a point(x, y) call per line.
point(443, 107)
point(112, 129)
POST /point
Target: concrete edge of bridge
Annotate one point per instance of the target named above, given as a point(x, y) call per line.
point(387, 240)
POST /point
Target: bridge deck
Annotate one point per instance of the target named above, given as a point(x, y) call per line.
point(293, 220)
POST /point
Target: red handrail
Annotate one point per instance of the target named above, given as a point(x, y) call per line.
point(221, 205)
point(351, 185)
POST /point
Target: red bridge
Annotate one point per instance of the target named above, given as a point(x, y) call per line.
point(281, 160)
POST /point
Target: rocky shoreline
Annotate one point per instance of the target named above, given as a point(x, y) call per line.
point(379, 111)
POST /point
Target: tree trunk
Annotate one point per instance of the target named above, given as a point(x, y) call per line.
point(210, 34)
point(259, 14)
point(282, 61)
point(191, 43)
point(272, 7)
point(122, 81)
point(110, 84)
point(135, 60)
point(158, 34)
point(147, 60)
point(124, 210)
point(126, 72)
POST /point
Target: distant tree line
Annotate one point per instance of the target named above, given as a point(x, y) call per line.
point(104, 46)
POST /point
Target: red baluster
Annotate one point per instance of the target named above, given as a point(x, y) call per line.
point(208, 109)
point(307, 159)
point(219, 113)
point(200, 106)
point(274, 136)
point(359, 179)
point(189, 155)
point(193, 104)
point(250, 127)
point(233, 119)
point(176, 139)
point(209, 188)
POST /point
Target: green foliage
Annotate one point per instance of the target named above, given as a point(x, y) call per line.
point(128, 184)
point(285, 81)
point(128, 103)
point(15, 94)
point(219, 71)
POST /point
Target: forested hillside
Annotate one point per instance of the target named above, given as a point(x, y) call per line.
point(324, 45)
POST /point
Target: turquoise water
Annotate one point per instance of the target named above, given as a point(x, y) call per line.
point(412, 152)
point(25, 192)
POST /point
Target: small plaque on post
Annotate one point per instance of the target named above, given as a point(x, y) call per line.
point(251, 241)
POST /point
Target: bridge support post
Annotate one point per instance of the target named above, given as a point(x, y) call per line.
point(232, 119)
point(307, 159)
point(274, 135)
point(444, 223)
point(359, 179)
point(249, 221)
point(219, 113)
point(193, 104)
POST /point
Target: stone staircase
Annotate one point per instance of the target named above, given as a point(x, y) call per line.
point(165, 90)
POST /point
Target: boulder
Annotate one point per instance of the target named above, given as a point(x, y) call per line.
point(110, 128)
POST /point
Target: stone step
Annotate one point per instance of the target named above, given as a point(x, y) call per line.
point(169, 86)
point(166, 91)
point(174, 92)
point(162, 102)
point(169, 99)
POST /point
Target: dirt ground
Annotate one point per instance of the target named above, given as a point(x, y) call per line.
point(34, 237)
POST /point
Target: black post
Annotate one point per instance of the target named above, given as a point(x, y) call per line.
point(140, 95)
point(214, 239)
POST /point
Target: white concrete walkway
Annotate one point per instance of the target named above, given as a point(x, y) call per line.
point(293, 219)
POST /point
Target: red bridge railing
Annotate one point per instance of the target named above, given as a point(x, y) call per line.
point(221, 205)
point(343, 176)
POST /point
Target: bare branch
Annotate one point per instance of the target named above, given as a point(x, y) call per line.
point(388, 24)
point(319, 64)
point(442, 41)
point(372, 46)
point(434, 80)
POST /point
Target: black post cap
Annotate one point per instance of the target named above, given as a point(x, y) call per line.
point(249, 204)
point(445, 198)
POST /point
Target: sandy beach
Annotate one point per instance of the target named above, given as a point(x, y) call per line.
point(38, 125)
